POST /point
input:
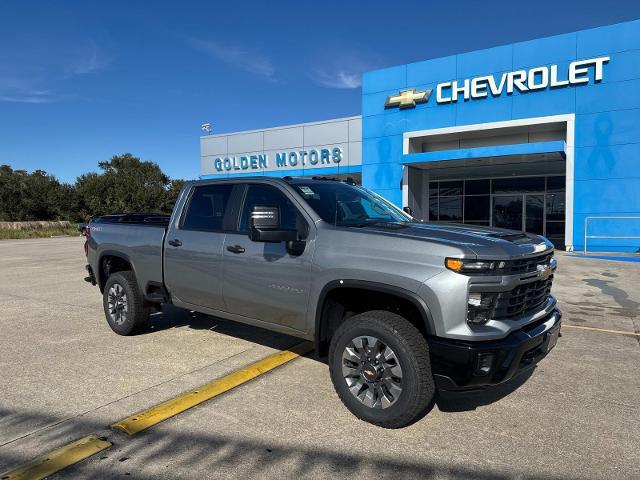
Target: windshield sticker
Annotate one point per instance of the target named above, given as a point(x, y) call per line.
point(306, 190)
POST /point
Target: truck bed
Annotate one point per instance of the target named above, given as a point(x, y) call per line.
point(137, 237)
point(134, 218)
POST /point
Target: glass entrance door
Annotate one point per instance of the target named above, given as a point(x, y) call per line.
point(507, 211)
point(534, 214)
point(531, 204)
point(524, 212)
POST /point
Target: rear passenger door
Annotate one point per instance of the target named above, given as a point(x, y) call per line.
point(264, 281)
point(193, 251)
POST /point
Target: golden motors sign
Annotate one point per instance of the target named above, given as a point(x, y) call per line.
point(292, 159)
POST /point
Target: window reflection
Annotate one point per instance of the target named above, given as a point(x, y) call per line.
point(532, 204)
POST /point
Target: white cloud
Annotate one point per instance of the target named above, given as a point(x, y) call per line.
point(337, 66)
point(249, 60)
point(89, 60)
point(35, 96)
point(338, 79)
point(35, 72)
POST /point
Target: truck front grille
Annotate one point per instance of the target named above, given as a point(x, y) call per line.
point(522, 299)
point(527, 265)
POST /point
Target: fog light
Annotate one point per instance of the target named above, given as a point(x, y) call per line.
point(484, 362)
point(480, 307)
point(475, 299)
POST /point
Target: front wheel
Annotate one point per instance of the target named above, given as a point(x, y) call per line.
point(380, 368)
point(123, 304)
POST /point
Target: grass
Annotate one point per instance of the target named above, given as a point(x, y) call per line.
point(39, 232)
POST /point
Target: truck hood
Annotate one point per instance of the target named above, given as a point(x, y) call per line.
point(485, 242)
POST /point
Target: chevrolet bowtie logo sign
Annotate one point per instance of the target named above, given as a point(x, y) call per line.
point(407, 98)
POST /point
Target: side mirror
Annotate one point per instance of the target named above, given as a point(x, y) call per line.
point(408, 210)
point(264, 226)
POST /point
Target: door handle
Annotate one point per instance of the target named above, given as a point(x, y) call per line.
point(175, 243)
point(235, 248)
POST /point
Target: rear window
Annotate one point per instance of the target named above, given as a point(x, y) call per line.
point(207, 208)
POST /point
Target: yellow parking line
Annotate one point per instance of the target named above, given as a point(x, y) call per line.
point(147, 418)
point(56, 460)
point(619, 332)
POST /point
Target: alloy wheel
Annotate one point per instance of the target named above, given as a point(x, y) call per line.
point(118, 305)
point(372, 372)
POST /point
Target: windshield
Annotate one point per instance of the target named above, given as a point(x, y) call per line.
point(345, 205)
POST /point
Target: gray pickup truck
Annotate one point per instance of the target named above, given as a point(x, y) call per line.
point(402, 308)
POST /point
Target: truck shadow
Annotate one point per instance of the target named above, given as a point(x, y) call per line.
point(173, 317)
point(468, 401)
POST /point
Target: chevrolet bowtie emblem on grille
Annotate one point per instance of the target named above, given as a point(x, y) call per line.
point(544, 271)
point(407, 98)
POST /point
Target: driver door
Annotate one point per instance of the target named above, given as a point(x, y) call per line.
point(262, 280)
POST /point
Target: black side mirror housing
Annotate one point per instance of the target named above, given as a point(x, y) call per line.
point(264, 226)
point(408, 210)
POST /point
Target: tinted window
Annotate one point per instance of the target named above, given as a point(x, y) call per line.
point(556, 184)
point(523, 184)
point(271, 196)
point(433, 189)
point(433, 209)
point(451, 188)
point(477, 187)
point(555, 206)
point(207, 208)
point(555, 228)
point(450, 209)
point(507, 212)
point(476, 208)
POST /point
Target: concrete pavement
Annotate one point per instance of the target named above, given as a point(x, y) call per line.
point(65, 375)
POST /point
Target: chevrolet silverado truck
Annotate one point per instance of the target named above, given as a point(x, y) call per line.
point(402, 308)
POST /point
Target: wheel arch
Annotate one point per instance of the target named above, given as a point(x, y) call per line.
point(401, 298)
point(111, 261)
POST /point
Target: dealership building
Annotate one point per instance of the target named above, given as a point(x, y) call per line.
point(540, 136)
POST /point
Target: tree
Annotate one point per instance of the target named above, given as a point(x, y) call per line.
point(126, 185)
point(34, 196)
point(172, 194)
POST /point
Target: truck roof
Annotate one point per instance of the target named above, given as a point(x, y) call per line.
point(286, 179)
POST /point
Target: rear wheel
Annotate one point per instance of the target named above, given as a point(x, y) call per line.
point(123, 304)
point(381, 370)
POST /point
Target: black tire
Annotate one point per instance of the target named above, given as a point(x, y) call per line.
point(410, 351)
point(133, 316)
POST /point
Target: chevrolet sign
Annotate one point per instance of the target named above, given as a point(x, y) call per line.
point(580, 72)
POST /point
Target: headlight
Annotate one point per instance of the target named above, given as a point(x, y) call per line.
point(461, 265)
point(480, 307)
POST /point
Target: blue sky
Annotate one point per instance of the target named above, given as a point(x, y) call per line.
point(81, 81)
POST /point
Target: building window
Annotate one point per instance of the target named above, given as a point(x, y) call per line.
point(477, 208)
point(531, 204)
point(518, 185)
point(450, 209)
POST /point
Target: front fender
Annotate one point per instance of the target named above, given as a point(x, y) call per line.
point(399, 292)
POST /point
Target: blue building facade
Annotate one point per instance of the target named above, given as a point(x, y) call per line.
point(538, 120)
point(540, 136)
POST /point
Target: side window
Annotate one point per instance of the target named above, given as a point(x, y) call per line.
point(207, 208)
point(268, 195)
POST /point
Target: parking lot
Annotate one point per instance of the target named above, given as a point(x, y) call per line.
point(66, 375)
